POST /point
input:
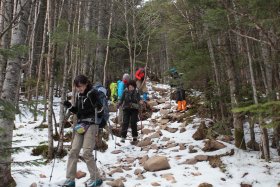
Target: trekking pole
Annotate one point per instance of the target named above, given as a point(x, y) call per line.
point(140, 118)
point(96, 136)
point(67, 114)
point(116, 127)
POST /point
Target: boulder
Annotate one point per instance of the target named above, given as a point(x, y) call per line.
point(116, 183)
point(138, 171)
point(146, 131)
point(143, 159)
point(201, 132)
point(34, 184)
point(155, 184)
point(247, 185)
point(80, 174)
point(116, 170)
point(182, 146)
point(156, 163)
point(200, 158)
point(212, 145)
point(191, 149)
point(163, 112)
point(157, 134)
point(190, 161)
point(182, 130)
point(152, 103)
point(163, 121)
point(117, 151)
point(205, 185)
point(171, 130)
point(145, 142)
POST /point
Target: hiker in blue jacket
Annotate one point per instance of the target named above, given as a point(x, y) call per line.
point(122, 84)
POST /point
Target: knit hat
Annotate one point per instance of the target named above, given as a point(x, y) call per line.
point(126, 77)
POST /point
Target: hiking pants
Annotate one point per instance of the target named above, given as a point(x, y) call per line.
point(180, 93)
point(120, 116)
point(87, 142)
point(130, 115)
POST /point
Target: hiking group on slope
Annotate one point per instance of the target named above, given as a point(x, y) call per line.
point(128, 94)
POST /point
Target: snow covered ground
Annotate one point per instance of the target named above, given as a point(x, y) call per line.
point(242, 167)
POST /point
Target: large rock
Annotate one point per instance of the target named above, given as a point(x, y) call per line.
point(163, 121)
point(205, 184)
point(80, 174)
point(156, 163)
point(212, 145)
point(145, 142)
point(116, 183)
point(163, 112)
point(146, 131)
point(152, 103)
point(201, 132)
point(143, 160)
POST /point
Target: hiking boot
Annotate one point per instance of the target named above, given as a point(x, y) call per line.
point(69, 183)
point(122, 140)
point(94, 183)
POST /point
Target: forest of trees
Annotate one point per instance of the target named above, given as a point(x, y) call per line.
point(227, 49)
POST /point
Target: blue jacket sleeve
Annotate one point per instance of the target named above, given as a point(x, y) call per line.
point(120, 89)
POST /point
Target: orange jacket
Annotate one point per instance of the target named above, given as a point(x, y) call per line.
point(140, 74)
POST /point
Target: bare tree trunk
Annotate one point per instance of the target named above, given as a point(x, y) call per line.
point(8, 96)
point(78, 44)
point(108, 41)
point(7, 14)
point(216, 71)
point(100, 50)
point(166, 55)
point(253, 82)
point(50, 60)
point(88, 26)
point(67, 59)
point(127, 37)
point(230, 70)
point(134, 38)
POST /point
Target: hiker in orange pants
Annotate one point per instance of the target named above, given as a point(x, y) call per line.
point(181, 99)
point(180, 92)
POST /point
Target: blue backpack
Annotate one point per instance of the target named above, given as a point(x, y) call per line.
point(102, 121)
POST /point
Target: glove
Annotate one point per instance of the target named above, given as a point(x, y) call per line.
point(100, 113)
point(67, 104)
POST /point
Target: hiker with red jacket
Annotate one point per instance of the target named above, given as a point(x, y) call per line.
point(141, 82)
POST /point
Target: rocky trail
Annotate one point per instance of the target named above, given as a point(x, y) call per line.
point(174, 149)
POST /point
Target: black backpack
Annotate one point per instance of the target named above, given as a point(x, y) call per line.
point(102, 121)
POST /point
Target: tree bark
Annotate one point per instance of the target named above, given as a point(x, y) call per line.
point(230, 71)
point(108, 42)
point(216, 71)
point(50, 60)
point(100, 50)
point(87, 25)
point(6, 18)
point(127, 35)
point(64, 89)
point(10, 85)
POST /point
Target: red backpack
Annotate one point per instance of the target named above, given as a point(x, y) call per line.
point(140, 74)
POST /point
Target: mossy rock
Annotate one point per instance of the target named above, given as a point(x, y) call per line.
point(40, 150)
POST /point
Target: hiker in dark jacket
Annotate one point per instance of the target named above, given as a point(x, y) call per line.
point(130, 102)
point(85, 131)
